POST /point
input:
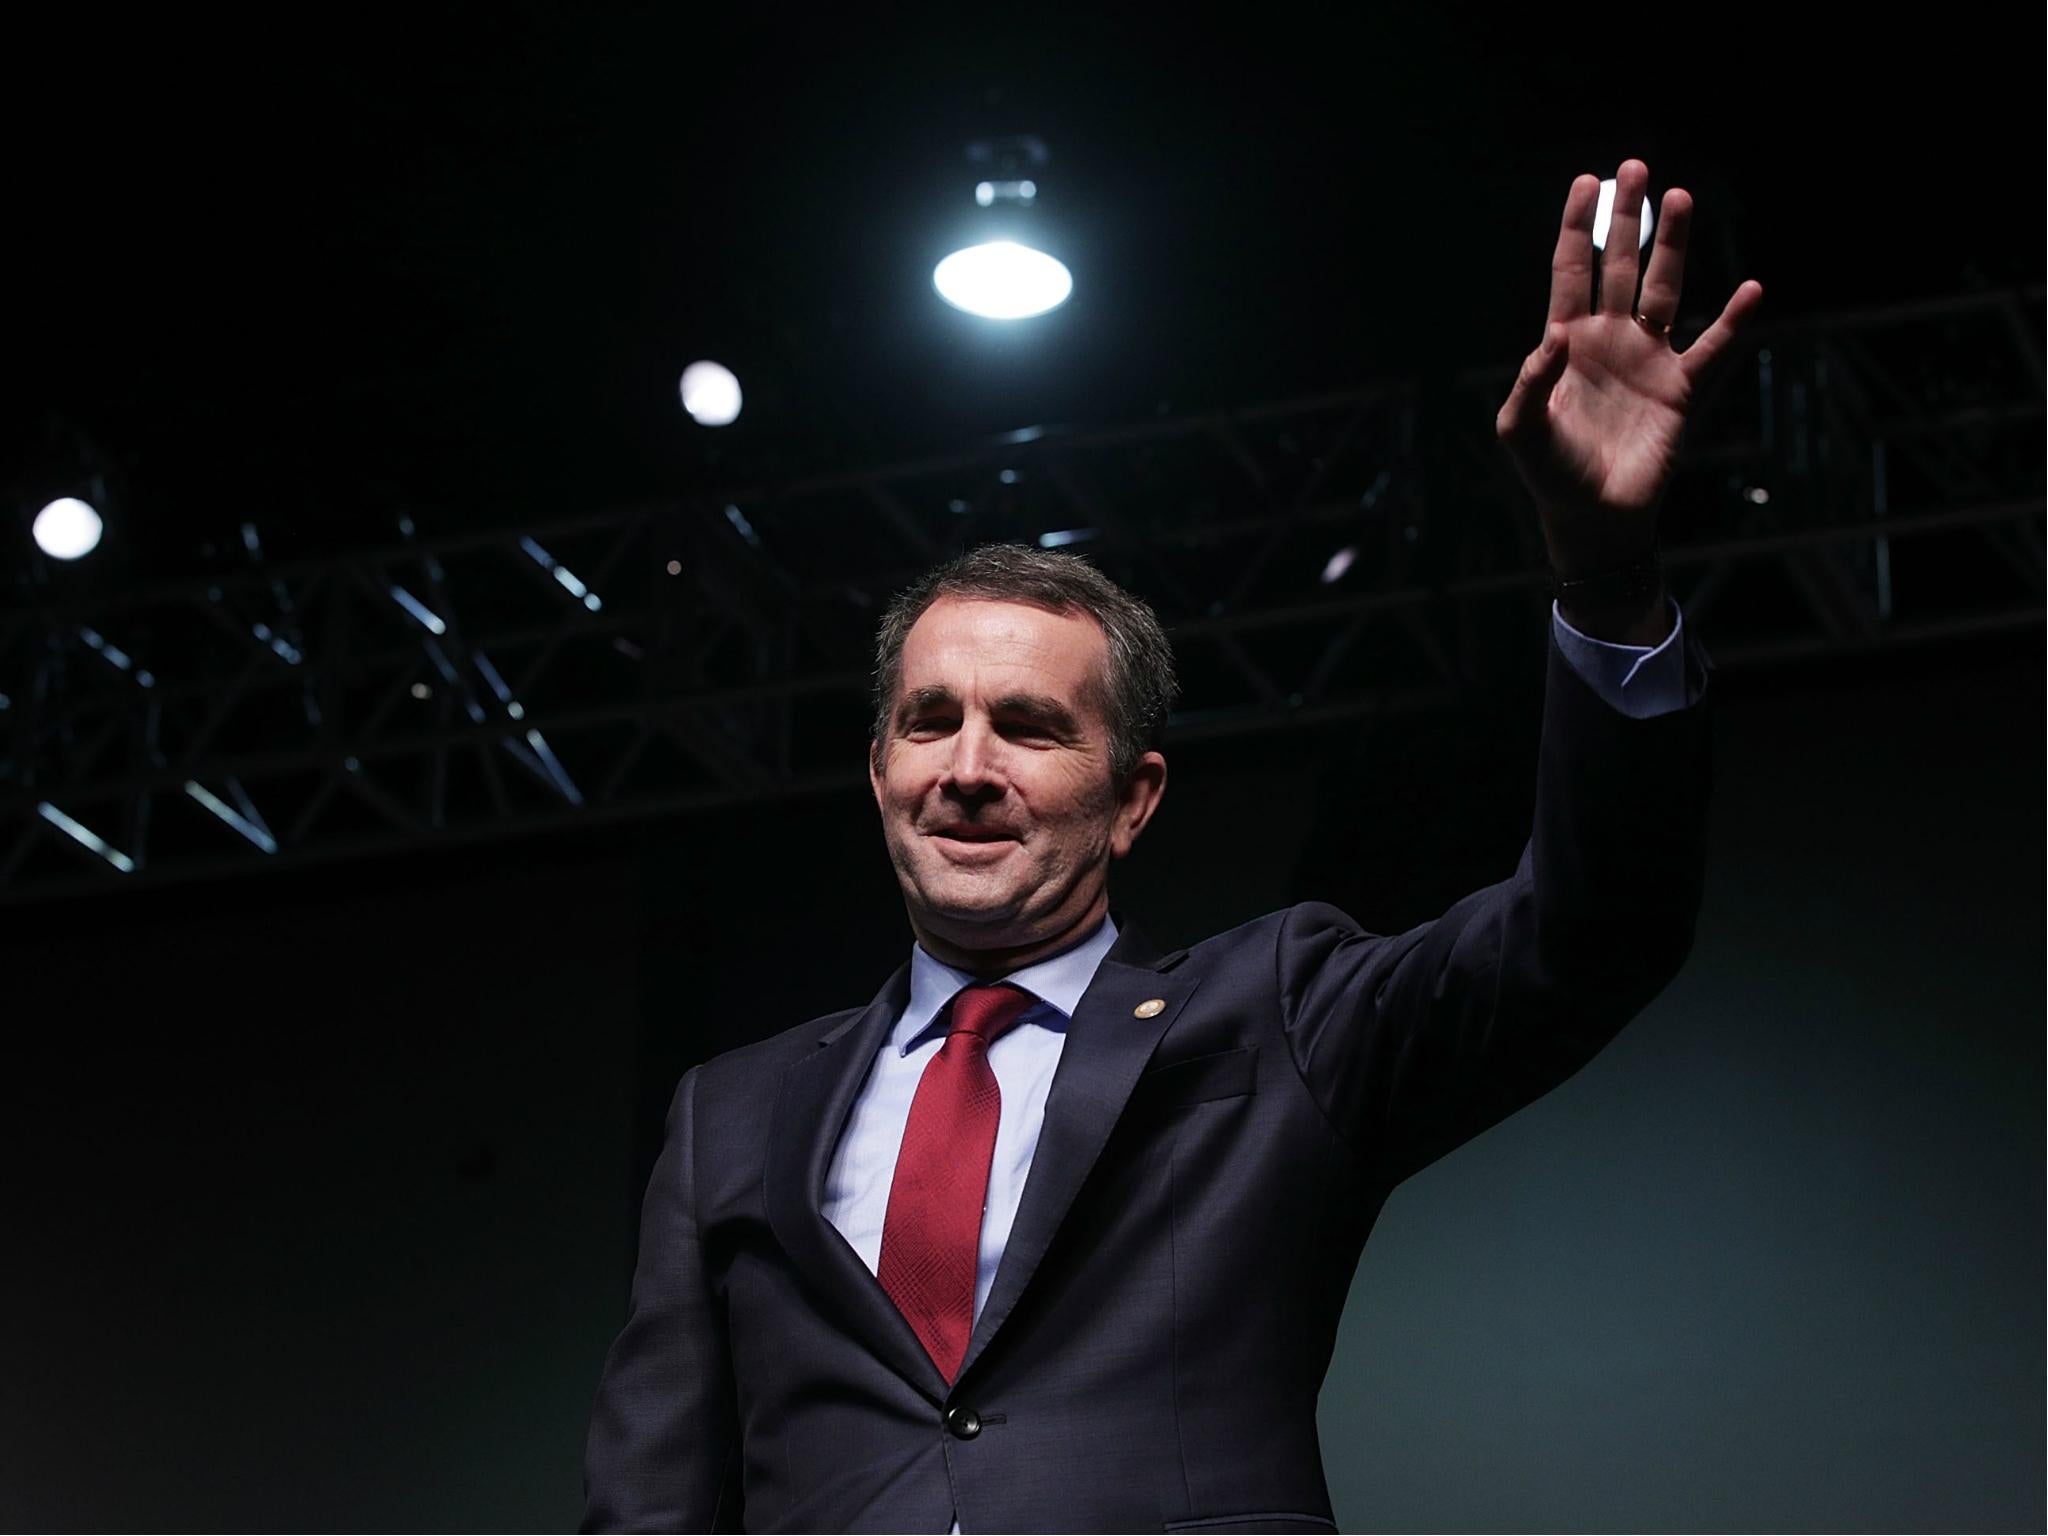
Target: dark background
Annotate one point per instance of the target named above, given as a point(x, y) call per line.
point(322, 1188)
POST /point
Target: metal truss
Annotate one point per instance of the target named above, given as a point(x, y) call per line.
point(1864, 481)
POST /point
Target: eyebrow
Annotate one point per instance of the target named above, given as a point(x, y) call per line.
point(1039, 707)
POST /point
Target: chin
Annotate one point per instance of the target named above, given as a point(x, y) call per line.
point(967, 910)
point(974, 909)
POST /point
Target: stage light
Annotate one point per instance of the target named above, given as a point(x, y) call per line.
point(1604, 216)
point(1001, 264)
point(1002, 280)
point(711, 394)
point(67, 529)
point(988, 193)
point(1339, 563)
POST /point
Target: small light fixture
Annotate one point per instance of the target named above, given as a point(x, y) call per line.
point(1000, 267)
point(711, 394)
point(67, 529)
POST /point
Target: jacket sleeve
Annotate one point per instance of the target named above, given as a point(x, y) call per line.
point(664, 1437)
point(1414, 1044)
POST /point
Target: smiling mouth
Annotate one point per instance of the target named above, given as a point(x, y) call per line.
point(971, 837)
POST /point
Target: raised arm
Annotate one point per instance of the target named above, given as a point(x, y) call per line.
point(1414, 1043)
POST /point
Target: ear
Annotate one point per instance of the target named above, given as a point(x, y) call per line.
point(1136, 802)
point(875, 770)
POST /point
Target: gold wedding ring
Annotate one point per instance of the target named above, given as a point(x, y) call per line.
point(1654, 327)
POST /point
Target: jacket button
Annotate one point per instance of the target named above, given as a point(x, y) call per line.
point(965, 1423)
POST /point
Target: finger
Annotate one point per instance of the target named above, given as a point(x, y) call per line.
point(1541, 370)
point(1716, 339)
point(1620, 264)
point(1571, 264)
point(1665, 277)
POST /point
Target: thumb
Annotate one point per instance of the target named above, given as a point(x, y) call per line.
point(1541, 370)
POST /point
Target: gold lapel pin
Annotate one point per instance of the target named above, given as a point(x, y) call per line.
point(1152, 1007)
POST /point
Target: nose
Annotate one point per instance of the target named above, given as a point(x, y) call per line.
point(975, 770)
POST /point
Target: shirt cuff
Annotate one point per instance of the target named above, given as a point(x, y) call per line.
point(1638, 680)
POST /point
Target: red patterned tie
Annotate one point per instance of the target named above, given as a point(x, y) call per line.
point(931, 1236)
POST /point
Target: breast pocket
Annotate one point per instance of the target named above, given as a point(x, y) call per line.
point(1197, 1080)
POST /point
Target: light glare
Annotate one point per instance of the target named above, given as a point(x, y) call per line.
point(1604, 216)
point(711, 394)
point(1002, 280)
point(67, 529)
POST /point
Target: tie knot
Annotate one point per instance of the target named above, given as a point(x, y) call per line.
point(989, 1010)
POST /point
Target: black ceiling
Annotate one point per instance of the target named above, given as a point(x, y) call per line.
point(454, 261)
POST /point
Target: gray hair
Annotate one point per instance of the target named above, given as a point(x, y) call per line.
point(1140, 688)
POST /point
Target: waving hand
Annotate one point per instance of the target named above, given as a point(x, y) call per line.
point(1594, 420)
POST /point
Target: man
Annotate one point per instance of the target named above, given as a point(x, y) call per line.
point(1055, 1233)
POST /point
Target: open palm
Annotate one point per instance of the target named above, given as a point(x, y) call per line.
point(1594, 420)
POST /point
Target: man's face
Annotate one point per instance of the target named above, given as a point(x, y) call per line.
point(993, 777)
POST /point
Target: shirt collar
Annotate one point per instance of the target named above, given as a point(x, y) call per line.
point(1057, 982)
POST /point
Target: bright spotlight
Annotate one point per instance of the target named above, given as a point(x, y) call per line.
point(711, 394)
point(67, 529)
point(1002, 280)
point(1604, 215)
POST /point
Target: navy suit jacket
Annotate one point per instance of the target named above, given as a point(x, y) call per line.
point(1158, 1330)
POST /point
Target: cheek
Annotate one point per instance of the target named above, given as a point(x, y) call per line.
point(1079, 808)
point(905, 786)
point(894, 775)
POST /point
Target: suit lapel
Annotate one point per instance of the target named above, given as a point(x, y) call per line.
point(816, 1095)
point(1108, 1044)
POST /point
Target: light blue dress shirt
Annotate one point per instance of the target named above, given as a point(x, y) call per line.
point(1638, 680)
point(1023, 1059)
